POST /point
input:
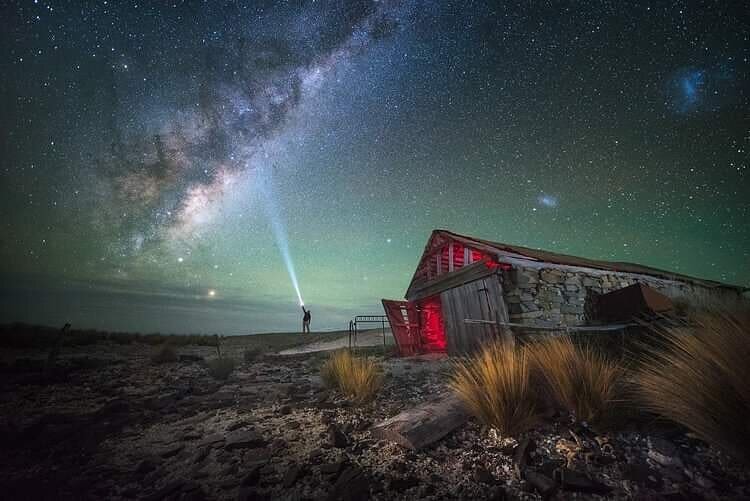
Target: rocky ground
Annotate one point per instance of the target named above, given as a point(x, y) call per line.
point(111, 424)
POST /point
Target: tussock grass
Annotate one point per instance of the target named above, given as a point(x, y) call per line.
point(358, 378)
point(580, 379)
point(164, 354)
point(220, 367)
point(496, 387)
point(700, 378)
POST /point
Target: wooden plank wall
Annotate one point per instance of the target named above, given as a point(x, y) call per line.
point(480, 299)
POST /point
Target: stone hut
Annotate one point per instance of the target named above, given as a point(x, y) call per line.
point(461, 277)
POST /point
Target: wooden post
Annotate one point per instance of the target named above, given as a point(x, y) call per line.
point(425, 424)
point(506, 333)
point(55, 350)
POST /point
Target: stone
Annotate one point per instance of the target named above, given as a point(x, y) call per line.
point(211, 440)
point(291, 475)
point(642, 474)
point(336, 437)
point(252, 477)
point(331, 469)
point(526, 307)
point(551, 276)
point(248, 494)
point(237, 425)
point(571, 309)
point(285, 410)
point(663, 452)
point(544, 485)
point(575, 481)
point(244, 439)
point(168, 489)
point(171, 450)
point(145, 466)
point(401, 484)
point(483, 476)
point(352, 485)
point(521, 455)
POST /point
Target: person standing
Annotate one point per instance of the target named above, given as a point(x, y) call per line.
point(305, 320)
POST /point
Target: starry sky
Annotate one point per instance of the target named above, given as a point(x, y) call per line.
point(161, 163)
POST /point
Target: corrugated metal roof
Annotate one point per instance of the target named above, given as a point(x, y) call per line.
point(563, 259)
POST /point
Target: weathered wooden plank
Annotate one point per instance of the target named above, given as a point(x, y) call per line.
point(425, 424)
point(445, 281)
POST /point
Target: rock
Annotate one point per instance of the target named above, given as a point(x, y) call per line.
point(483, 476)
point(331, 469)
point(171, 450)
point(336, 437)
point(497, 493)
point(544, 485)
point(168, 489)
point(291, 475)
point(574, 481)
point(278, 444)
point(211, 440)
point(201, 454)
point(191, 358)
point(521, 455)
point(252, 477)
point(401, 484)
point(352, 485)
point(249, 494)
point(673, 473)
point(285, 410)
point(146, 466)
point(237, 425)
point(663, 452)
point(244, 439)
point(362, 425)
point(642, 474)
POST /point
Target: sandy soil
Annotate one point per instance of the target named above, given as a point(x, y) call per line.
point(363, 339)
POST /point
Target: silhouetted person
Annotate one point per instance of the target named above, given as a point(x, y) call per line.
point(305, 321)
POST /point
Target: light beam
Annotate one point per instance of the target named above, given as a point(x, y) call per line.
point(279, 233)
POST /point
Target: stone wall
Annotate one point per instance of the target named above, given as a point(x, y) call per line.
point(564, 295)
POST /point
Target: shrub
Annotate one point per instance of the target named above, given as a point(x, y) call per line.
point(579, 378)
point(496, 387)
point(700, 378)
point(221, 367)
point(356, 377)
point(164, 354)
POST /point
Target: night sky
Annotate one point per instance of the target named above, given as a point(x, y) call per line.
point(155, 156)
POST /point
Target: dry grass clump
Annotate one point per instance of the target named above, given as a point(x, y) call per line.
point(356, 377)
point(164, 354)
point(700, 378)
point(220, 367)
point(580, 379)
point(496, 387)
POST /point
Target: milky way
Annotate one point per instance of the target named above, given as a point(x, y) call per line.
point(158, 161)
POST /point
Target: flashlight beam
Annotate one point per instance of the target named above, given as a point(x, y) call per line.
point(279, 233)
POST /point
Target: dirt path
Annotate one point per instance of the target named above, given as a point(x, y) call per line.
point(367, 338)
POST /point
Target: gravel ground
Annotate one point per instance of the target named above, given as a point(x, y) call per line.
point(111, 424)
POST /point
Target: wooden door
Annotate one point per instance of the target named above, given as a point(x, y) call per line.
point(478, 300)
point(404, 319)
